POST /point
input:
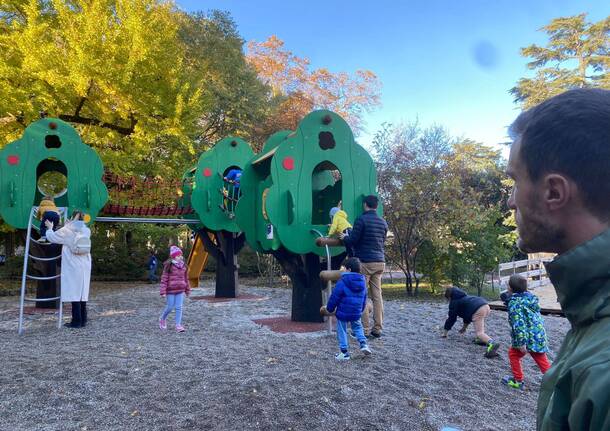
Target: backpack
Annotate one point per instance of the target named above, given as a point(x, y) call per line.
point(81, 244)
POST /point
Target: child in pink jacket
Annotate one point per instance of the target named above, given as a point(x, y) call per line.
point(174, 285)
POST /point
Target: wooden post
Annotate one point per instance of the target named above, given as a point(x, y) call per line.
point(225, 251)
point(46, 288)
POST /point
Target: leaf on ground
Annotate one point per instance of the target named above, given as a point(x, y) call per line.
point(422, 403)
point(272, 360)
point(135, 413)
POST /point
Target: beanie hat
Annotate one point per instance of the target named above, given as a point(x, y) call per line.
point(333, 211)
point(174, 252)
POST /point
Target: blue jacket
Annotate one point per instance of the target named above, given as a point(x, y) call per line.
point(462, 305)
point(152, 262)
point(368, 237)
point(526, 323)
point(348, 297)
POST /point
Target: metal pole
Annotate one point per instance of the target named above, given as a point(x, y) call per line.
point(25, 270)
point(326, 292)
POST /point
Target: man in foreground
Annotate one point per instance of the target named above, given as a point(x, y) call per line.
point(560, 163)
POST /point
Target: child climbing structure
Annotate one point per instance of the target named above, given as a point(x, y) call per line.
point(287, 192)
point(214, 195)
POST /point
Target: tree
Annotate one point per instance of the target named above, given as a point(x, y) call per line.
point(147, 85)
point(296, 90)
point(414, 190)
point(577, 56)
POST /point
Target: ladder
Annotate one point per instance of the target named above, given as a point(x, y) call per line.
point(25, 276)
point(328, 290)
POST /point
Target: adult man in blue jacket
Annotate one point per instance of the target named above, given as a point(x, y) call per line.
point(367, 239)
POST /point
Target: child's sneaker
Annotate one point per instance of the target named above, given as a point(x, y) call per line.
point(512, 383)
point(492, 349)
point(42, 239)
point(342, 356)
point(180, 328)
point(162, 324)
point(364, 348)
point(479, 342)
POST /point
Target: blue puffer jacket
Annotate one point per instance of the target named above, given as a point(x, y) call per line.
point(368, 237)
point(348, 297)
point(462, 305)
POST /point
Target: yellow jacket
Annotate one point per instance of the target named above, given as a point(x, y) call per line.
point(46, 205)
point(340, 223)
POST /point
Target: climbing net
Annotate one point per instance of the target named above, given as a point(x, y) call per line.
point(146, 196)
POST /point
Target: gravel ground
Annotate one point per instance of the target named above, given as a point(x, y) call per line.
point(228, 373)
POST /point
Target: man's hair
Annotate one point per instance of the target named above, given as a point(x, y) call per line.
point(371, 201)
point(517, 283)
point(570, 134)
point(352, 264)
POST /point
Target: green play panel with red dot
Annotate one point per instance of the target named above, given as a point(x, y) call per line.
point(49, 145)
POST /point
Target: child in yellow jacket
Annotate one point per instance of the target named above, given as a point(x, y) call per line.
point(339, 225)
point(47, 211)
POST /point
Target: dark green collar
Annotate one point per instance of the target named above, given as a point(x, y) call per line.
point(581, 278)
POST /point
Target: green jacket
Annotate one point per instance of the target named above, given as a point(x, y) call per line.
point(575, 392)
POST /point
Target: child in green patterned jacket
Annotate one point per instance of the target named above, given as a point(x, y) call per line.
point(527, 331)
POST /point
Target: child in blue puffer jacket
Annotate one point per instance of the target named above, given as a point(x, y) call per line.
point(349, 299)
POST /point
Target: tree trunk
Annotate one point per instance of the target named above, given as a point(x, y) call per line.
point(45, 288)
point(225, 253)
point(304, 273)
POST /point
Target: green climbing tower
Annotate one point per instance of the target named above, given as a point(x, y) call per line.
point(289, 188)
point(49, 145)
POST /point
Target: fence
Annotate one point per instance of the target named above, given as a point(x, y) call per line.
point(532, 269)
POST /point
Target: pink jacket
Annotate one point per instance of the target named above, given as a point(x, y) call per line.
point(174, 280)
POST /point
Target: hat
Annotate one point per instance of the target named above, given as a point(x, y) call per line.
point(333, 211)
point(174, 252)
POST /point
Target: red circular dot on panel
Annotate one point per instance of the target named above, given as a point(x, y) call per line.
point(288, 163)
point(52, 125)
point(13, 160)
point(207, 172)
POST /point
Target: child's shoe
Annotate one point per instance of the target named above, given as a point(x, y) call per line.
point(180, 328)
point(512, 383)
point(492, 349)
point(479, 342)
point(42, 239)
point(364, 348)
point(342, 356)
point(162, 324)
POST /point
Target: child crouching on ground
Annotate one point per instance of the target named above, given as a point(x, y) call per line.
point(174, 285)
point(527, 331)
point(349, 299)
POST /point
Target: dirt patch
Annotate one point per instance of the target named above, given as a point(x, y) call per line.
point(284, 325)
point(229, 373)
point(240, 297)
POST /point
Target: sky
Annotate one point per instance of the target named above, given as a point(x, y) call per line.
point(444, 62)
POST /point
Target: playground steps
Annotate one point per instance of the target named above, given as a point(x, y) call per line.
point(25, 276)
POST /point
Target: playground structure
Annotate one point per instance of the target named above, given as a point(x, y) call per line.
point(280, 206)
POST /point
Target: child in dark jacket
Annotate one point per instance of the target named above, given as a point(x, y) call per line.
point(174, 285)
point(349, 299)
point(472, 309)
point(527, 331)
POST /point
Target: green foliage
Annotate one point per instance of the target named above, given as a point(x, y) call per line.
point(445, 201)
point(576, 56)
point(138, 78)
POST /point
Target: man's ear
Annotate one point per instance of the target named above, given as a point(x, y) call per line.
point(557, 191)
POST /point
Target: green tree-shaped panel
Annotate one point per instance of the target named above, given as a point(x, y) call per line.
point(49, 145)
point(207, 197)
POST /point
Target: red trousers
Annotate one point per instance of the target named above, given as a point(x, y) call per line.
point(515, 355)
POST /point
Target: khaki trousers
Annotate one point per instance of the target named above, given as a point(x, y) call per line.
point(372, 272)
point(478, 319)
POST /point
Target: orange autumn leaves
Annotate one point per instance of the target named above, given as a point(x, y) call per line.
point(296, 89)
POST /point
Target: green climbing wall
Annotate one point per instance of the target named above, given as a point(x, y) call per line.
point(207, 197)
point(49, 145)
point(304, 174)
